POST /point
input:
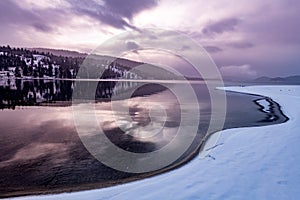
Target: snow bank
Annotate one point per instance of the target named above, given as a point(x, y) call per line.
point(247, 163)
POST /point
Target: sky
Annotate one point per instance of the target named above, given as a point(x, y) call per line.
point(244, 38)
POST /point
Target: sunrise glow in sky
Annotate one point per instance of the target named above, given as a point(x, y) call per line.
point(245, 38)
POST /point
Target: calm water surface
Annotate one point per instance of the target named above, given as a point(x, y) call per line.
point(41, 151)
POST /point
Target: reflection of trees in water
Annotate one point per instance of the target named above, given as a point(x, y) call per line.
point(106, 89)
point(35, 92)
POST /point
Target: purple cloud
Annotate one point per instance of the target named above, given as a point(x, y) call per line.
point(131, 45)
point(221, 26)
point(42, 27)
point(11, 13)
point(40, 19)
point(128, 8)
point(213, 49)
point(112, 12)
point(241, 45)
point(267, 32)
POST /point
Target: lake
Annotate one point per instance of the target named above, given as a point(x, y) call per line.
point(43, 152)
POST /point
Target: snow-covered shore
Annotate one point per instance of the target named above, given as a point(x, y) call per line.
point(247, 163)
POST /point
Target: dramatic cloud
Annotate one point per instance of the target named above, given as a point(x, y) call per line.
point(115, 13)
point(12, 14)
point(263, 34)
point(128, 8)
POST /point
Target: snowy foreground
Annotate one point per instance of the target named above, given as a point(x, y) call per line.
point(247, 163)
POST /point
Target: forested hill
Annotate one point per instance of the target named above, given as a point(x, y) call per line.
point(33, 63)
point(47, 63)
point(39, 62)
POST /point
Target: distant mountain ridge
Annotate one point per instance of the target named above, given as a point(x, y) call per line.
point(288, 79)
point(60, 52)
